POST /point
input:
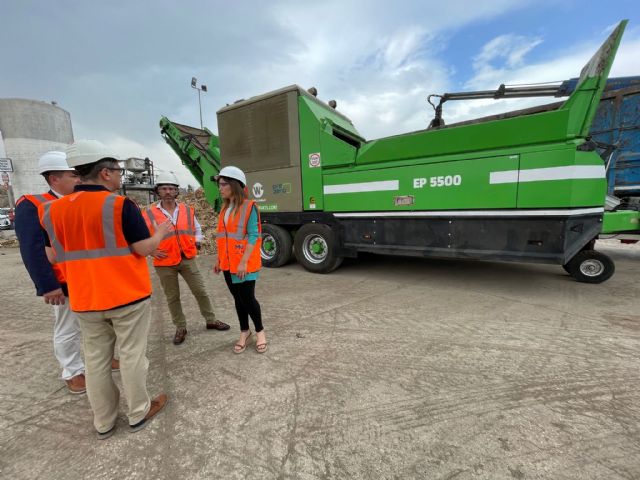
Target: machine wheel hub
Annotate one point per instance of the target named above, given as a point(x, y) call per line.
point(314, 249)
point(591, 268)
point(269, 247)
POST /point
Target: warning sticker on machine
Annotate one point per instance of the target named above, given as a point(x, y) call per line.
point(314, 160)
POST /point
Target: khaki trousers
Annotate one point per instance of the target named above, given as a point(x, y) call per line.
point(188, 268)
point(130, 326)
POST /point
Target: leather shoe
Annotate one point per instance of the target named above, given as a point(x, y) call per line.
point(77, 385)
point(157, 404)
point(217, 325)
point(181, 333)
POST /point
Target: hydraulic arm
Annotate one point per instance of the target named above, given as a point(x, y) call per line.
point(199, 150)
point(554, 89)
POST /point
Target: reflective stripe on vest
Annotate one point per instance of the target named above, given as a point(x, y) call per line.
point(232, 240)
point(87, 235)
point(110, 249)
point(38, 200)
point(177, 243)
point(238, 234)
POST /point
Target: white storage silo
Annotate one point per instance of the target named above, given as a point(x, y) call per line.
point(30, 128)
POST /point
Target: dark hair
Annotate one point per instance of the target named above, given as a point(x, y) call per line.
point(54, 173)
point(90, 171)
point(237, 193)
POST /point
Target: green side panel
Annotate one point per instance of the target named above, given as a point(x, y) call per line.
point(584, 101)
point(579, 106)
point(320, 149)
point(323, 114)
point(310, 150)
point(462, 184)
point(561, 178)
point(620, 222)
point(335, 152)
point(539, 128)
point(571, 121)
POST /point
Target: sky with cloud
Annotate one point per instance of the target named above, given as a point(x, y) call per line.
point(118, 66)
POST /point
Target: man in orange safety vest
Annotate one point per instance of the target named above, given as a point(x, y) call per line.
point(99, 240)
point(47, 278)
point(176, 255)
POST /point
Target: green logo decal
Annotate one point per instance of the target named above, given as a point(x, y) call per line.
point(282, 188)
point(268, 207)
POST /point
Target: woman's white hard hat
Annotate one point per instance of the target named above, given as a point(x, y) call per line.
point(232, 172)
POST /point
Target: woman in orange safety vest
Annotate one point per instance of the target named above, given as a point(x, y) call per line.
point(238, 240)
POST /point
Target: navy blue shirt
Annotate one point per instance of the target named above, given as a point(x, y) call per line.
point(134, 228)
point(32, 240)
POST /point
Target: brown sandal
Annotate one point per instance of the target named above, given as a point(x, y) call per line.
point(261, 347)
point(241, 347)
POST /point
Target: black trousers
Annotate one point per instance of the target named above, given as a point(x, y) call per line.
point(246, 303)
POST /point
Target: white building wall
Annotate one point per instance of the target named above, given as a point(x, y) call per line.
point(25, 152)
point(30, 128)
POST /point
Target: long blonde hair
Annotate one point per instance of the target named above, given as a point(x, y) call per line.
point(237, 194)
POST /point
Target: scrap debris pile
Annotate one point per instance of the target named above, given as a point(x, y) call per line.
point(207, 217)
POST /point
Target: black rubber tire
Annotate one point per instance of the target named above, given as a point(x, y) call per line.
point(282, 246)
point(589, 266)
point(321, 237)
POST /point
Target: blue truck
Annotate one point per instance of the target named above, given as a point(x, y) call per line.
point(617, 123)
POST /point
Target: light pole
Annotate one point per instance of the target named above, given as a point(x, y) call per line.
point(201, 88)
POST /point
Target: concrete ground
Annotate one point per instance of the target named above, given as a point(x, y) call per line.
point(387, 368)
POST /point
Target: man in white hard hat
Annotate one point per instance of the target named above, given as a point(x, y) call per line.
point(100, 240)
point(48, 279)
point(176, 255)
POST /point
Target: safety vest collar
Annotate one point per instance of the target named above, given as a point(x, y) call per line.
point(108, 228)
point(182, 210)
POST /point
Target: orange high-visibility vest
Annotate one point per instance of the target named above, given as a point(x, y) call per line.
point(232, 239)
point(85, 231)
point(38, 200)
point(182, 241)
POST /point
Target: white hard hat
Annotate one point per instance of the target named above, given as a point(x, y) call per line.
point(53, 162)
point(167, 178)
point(84, 152)
point(232, 172)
